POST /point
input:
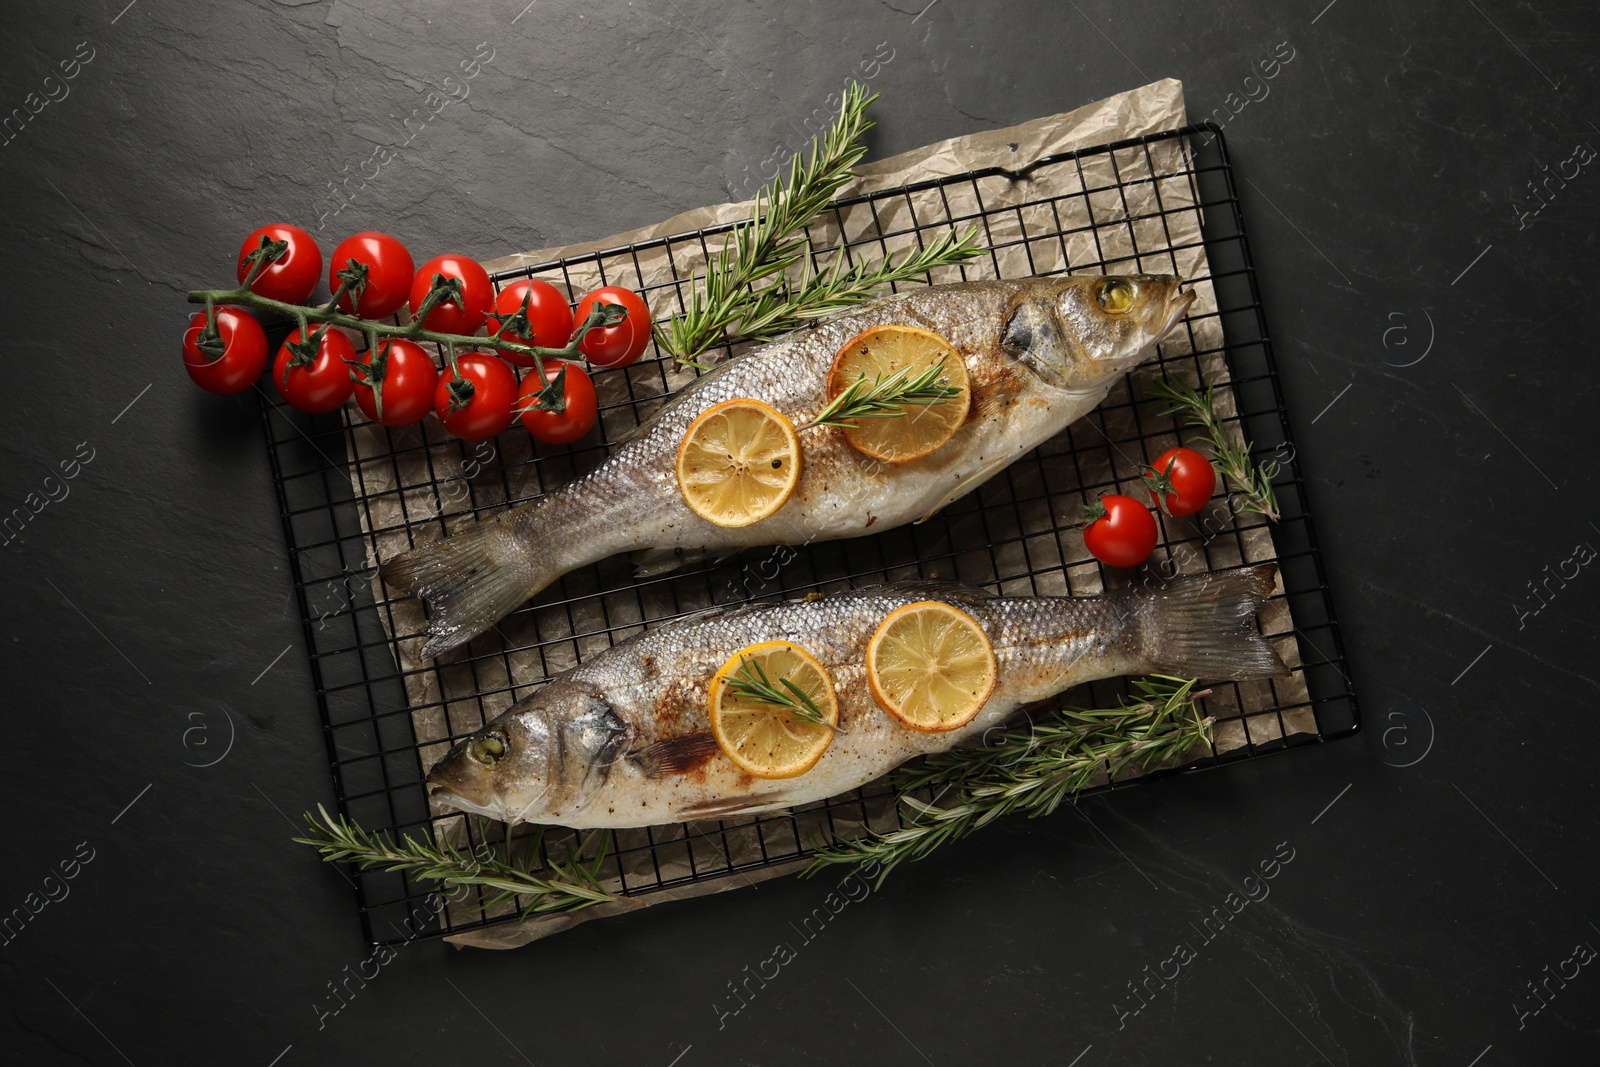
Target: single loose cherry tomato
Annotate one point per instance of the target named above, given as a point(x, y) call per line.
point(389, 273)
point(477, 406)
point(465, 314)
point(549, 317)
point(578, 404)
point(243, 358)
point(619, 345)
point(1123, 532)
point(292, 277)
point(317, 381)
point(395, 388)
point(1188, 478)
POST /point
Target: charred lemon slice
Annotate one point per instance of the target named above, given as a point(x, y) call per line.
point(931, 666)
point(738, 463)
point(773, 709)
point(914, 429)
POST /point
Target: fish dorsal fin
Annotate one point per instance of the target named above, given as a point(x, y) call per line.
point(676, 755)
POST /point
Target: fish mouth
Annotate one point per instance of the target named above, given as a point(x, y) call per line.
point(1179, 300)
point(447, 797)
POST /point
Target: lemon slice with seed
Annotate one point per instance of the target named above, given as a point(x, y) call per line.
point(768, 740)
point(738, 462)
point(931, 666)
point(882, 351)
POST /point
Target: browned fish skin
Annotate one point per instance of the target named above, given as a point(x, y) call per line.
point(1039, 354)
point(624, 739)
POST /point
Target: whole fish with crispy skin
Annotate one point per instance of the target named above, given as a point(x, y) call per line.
point(1039, 354)
point(625, 739)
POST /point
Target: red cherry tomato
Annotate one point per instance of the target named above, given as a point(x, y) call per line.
point(389, 273)
point(1191, 477)
point(244, 352)
point(324, 383)
point(485, 409)
point(579, 406)
point(462, 316)
point(619, 345)
point(292, 277)
point(1123, 532)
point(402, 376)
point(548, 315)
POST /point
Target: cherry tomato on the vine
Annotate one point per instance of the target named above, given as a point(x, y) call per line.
point(549, 317)
point(484, 410)
point(1123, 532)
point(292, 277)
point(463, 316)
point(323, 383)
point(402, 376)
point(619, 345)
point(1190, 476)
point(389, 273)
point(244, 352)
point(579, 405)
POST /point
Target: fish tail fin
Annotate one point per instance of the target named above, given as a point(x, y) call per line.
point(1199, 626)
point(470, 580)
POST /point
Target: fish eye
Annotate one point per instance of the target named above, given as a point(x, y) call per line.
point(1116, 295)
point(488, 749)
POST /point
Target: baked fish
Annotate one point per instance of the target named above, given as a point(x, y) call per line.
point(625, 739)
point(1039, 354)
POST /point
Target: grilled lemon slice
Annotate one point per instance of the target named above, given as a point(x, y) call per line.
point(920, 428)
point(768, 739)
point(738, 462)
point(931, 666)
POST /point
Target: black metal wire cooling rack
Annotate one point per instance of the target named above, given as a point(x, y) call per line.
point(1146, 205)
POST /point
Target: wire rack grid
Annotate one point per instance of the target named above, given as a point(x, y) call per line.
point(349, 492)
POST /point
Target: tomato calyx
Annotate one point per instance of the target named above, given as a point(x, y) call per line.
point(371, 375)
point(269, 251)
point(303, 353)
point(210, 342)
point(352, 283)
point(461, 392)
point(444, 289)
point(1160, 485)
point(516, 323)
point(1095, 509)
point(552, 397)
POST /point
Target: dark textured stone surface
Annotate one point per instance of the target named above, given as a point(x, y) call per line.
point(1385, 160)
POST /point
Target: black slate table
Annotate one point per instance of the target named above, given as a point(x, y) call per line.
point(1421, 196)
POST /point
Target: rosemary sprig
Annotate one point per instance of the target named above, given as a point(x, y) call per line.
point(1029, 770)
point(1232, 456)
point(786, 306)
point(750, 682)
point(571, 885)
point(881, 397)
point(774, 240)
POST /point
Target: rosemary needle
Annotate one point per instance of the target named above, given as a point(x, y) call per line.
point(537, 882)
point(1029, 770)
point(750, 682)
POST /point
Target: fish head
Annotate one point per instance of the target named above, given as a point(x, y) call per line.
point(1085, 331)
point(546, 757)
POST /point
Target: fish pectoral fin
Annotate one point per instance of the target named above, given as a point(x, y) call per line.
point(721, 809)
point(677, 755)
point(971, 481)
point(649, 562)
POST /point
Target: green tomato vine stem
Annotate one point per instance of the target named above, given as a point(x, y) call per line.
point(601, 315)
